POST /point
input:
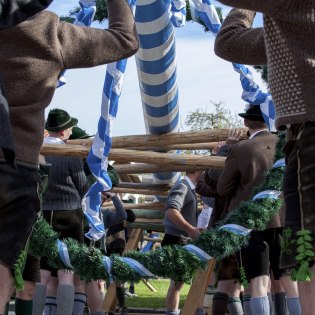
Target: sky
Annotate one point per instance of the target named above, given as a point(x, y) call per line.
point(202, 77)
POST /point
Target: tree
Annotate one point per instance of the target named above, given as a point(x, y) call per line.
point(219, 117)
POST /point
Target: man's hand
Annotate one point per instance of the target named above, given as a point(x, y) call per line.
point(217, 147)
point(193, 232)
point(234, 135)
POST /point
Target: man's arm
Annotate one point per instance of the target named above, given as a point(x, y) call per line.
point(78, 176)
point(269, 7)
point(87, 47)
point(229, 177)
point(177, 219)
point(238, 42)
point(119, 215)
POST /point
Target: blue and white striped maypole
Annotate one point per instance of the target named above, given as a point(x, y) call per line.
point(156, 65)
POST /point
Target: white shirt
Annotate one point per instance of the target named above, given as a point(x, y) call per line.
point(257, 132)
point(53, 140)
point(191, 184)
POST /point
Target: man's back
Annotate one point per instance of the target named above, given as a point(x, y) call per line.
point(245, 167)
point(33, 54)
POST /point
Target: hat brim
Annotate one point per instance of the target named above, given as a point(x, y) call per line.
point(251, 116)
point(71, 123)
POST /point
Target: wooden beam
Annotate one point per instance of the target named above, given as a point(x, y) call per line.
point(162, 187)
point(149, 192)
point(140, 156)
point(204, 136)
point(149, 205)
point(143, 168)
point(210, 135)
point(184, 146)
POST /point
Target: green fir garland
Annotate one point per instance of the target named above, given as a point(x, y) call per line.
point(171, 262)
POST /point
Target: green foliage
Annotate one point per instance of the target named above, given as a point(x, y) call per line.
point(219, 117)
point(263, 71)
point(101, 10)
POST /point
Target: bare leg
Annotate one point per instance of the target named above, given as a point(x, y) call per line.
point(6, 287)
point(173, 295)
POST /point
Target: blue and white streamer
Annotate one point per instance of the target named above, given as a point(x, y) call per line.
point(236, 229)
point(98, 155)
point(205, 11)
point(255, 96)
point(272, 194)
point(178, 13)
point(202, 255)
point(64, 254)
point(83, 18)
point(279, 163)
point(108, 265)
point(139, 268)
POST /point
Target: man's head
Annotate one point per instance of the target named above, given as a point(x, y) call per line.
point(195, 176)
point(253, 118)
point(59, 124)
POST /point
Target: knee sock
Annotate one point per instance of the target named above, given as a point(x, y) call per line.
point(281, 304)
point(50, 306)
point(235, 306)
point(39, 299)
point(246, 305)
point(271, 299)
point(120, 293)
point(79, 303)
point(294, 306)
point(98, 313)
point(260, 305)
point(219, 303)
point(65, 299)
point(200, 311)
point(23, 307)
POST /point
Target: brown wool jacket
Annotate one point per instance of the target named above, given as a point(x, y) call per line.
point(286, 44)
point(245, 168)
point(34, 53)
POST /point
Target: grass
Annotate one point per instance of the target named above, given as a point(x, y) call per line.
point(147, 299)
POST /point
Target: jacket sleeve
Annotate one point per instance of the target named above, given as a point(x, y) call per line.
point(229, 177)
point(87, 47)
point(78, 176)
point(119, 215)
point(269, 7)
point(238, 42)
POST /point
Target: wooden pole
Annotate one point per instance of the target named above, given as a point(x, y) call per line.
point(143, 168)
point(210, 135)
point(189, 137)
point(149, 205)
point(162, 187)
point(140, 156)
point(198, 289)
point(137, 191)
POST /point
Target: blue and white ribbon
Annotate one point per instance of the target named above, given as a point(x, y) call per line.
point(255, 96)
point(178, 13)
point(271, 194)
point(279, 163)
point(83, 18)
point(202, 255)
point(98, 155)
point(64, 254)
point(236, 229)
point(139, 268)
point(108, 265)
point(205, 11)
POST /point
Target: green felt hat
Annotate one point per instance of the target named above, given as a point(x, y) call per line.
point(59, 119)
point(78, 133)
